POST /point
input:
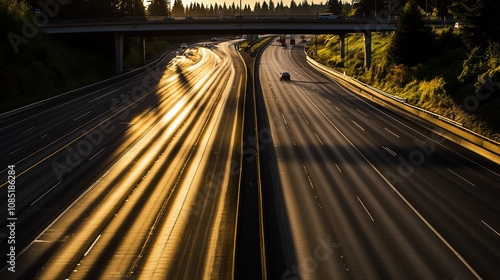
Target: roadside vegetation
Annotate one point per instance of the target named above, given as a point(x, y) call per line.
point(451, 72)
point(47, 66)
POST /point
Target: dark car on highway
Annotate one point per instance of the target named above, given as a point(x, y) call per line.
point(284, 76)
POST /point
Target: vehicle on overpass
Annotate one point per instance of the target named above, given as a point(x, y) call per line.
point(184, 46)
point(327, 16)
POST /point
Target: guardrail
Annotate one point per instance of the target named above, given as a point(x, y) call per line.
point(450, 129)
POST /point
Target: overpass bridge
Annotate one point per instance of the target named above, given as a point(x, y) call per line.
point(167, 27)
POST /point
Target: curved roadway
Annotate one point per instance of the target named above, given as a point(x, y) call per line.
point(137, 180)
point(361, 193)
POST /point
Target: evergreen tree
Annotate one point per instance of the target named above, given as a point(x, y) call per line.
point(178, 8)
point(334, 7)
point(293, 7)
point(158, 8)
point(271, 6)
point(480, 21)
point(265, 8)
point(365, 7)
point(413, 41)
point(126, 8)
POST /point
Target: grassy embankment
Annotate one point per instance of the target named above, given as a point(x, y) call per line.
point(432, 85)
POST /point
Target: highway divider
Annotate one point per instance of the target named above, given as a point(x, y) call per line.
point(445, 127)
point(250, 260)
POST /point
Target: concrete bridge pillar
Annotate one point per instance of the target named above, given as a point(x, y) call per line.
point(368, 49)
point(119, 52)
point(142, 42)
point(342, 45)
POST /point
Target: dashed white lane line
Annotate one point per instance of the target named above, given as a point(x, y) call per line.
point(44, 194)
point(28, 129)
point(82, 115)
point(461, 177)
point(390, 151)
point(366, 209)
point(101, 96)
point(92, 246)
point(358, 125)
point(391, 132)
point(361, 112)
point(96, 154)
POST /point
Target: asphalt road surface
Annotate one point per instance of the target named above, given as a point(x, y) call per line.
point(361, 193)
point(137, 180)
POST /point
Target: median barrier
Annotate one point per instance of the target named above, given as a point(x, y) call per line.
point(445, 127)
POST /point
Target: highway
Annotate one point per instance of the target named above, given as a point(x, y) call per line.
point(136, 180)
point(354, 191)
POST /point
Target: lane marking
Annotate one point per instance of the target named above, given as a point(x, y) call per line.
point(304, 117)
point(361, 113)
point(338, 168)
point(43, 136)
point(317, 137)
point(490, 227)
point(391, 132)
point(412, 129)
point(44, 194)
point(99, 97)
point(338, 109)
point(96, 154)
point(82, 115)
point(28, 129)
point(92, 246)
point(358, 125)
point(461, 177)
point(390, 151)
point(457, 254)
point(365, 209)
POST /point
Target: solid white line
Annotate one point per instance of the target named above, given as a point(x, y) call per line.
point(82, 115)
point(358, 125)
point(392, 132)
point(461, 177)
point(366, 209)
point(490, 227)
point(396, 190)
point(92, 246)
point(44, 194)
point(389, 151)
point(96, 154)
point(28, 129)
point(412, 129)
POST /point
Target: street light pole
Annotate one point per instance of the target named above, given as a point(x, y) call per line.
point(133, 4)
